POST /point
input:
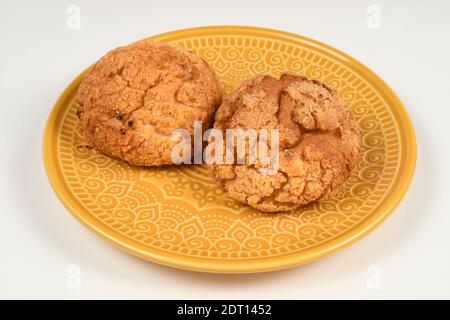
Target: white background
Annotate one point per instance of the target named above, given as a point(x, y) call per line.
point(408, 255)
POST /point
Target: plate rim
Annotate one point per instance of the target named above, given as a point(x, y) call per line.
point(271, 263)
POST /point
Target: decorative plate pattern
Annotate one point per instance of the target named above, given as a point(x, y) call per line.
point(176, 215)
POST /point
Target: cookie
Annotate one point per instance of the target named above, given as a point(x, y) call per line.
point(134, 97)
point(318, 141)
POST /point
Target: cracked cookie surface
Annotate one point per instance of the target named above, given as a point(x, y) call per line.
point(135, 96)
point(318, 141)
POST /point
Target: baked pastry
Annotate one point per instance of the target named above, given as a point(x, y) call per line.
point(318, 141)
point(135, 96)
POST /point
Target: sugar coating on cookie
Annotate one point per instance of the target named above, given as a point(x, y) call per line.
point(135, 96)
point(318, 141)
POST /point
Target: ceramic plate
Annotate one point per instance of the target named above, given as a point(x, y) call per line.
point(177, 216)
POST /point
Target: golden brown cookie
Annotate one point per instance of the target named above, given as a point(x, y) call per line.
point(318, 141)
point(135, 96)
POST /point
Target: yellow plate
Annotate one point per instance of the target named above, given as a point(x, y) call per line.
point(178, 217)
